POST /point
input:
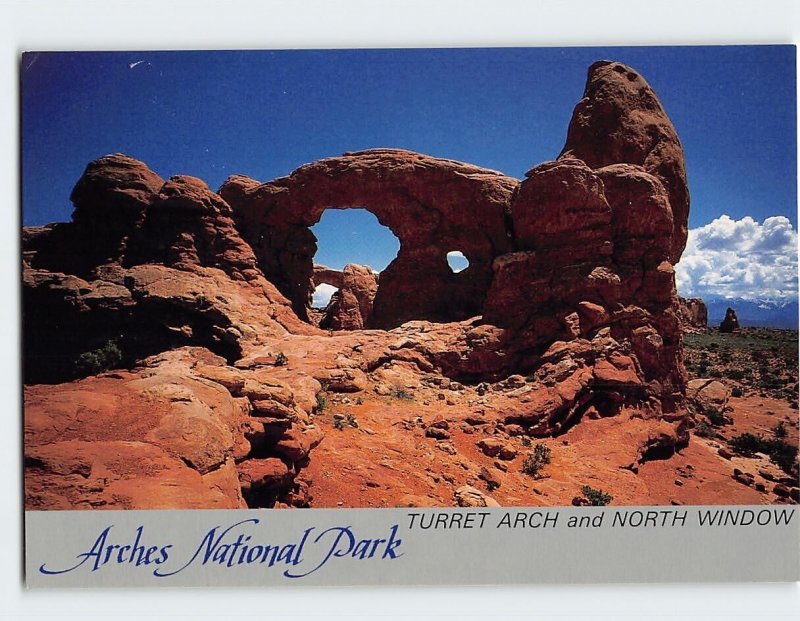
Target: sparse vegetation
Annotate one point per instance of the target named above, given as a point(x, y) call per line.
point(596, 497)
point(536, 461)
point(754, 361)
point(402, 394)
point(704, 430)
point(780, 430)
point(322, 401)
point(781, 453)
point(281, 359)
point(342, 422)
point(101, 359)
point(715, 417)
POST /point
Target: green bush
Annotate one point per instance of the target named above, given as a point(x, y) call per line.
point(781, 453)
point(537, 460)
point(402, 394)
point(746, 444)
point(322, 401)
point(596, 497)
point(703, 429)
point(715, 416)
point(101, 359)
point(736, 375)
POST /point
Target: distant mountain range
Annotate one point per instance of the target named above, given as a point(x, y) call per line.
point(754, 313)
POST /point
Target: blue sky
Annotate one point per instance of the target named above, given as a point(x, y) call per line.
point(263, 114)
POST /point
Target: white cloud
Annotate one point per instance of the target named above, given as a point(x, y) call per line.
point(322, 295)
point(740, 259)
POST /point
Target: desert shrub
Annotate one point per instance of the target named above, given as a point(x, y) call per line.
point(780, 430)
point(736, 375)
point(736, 392)
point(746, 444)
point(341, 422)
point(359, 401)
point(703, 429)
point(281, 359)
point(596, 497)
point(781, 453)
point(715, 417)
point(101, 359)
point(526, 441)
point(537, 460)
point(322, 401)
point(714, 373)
point(402, 394)
point(784, 455)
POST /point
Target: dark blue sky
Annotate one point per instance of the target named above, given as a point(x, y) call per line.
point(263, 114)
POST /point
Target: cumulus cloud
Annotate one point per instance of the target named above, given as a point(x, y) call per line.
point(322, 295)
point(740, 259)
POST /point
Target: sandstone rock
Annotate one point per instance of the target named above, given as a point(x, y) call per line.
point(432, 205)
point(350, 307)
point(186, 225)
point(468, 496)
point(708, 394)
point(436, 433)
point(730, 323)
point(620, 120)
point(568, 310)
point(693, 314)
point(490, 446)
point(111, 199)
point(257, 474)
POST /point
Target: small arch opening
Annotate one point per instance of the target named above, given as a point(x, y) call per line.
point(457, 261)
point(322, 296)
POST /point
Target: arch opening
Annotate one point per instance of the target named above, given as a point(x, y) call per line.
point(457, 261)
point(352, 248)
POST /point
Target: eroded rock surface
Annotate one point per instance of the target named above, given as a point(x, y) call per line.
point(567, 314)
point(693, 314)
point(350, 307)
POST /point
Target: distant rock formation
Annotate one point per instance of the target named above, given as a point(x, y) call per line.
point(569, 297)
point(350, 307)
point(730, 323)
point(693, 314)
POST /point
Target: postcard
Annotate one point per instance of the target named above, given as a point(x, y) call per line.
point(410, 316)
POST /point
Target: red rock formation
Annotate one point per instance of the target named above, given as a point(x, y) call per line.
point(111, 199)
point(693, 314)
point(432, 205)
point(567, 312)
point(188, 225)
point(350, 307)
point(730, 323)
point(620, 120)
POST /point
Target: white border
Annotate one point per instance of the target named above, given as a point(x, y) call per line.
point(204, 24)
